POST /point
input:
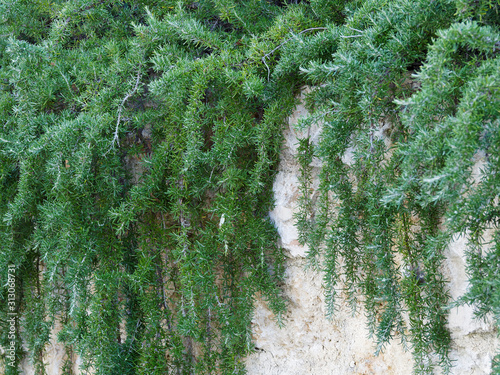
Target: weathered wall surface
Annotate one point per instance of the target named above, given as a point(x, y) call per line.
point(309, 343)
point(55, 357)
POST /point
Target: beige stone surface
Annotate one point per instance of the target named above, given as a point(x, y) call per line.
point(309, 343)
point(54, 358)
point(475, 342)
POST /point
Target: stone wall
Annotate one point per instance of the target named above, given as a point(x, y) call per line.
point(309, 343)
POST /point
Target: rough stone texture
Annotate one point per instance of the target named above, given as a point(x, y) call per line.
point(474, 342)
point(309, 343)
point(54, 358)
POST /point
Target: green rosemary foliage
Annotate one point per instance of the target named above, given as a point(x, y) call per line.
point(138, 145)
point(398, 152)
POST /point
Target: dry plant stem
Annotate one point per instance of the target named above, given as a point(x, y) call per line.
point(120, 109)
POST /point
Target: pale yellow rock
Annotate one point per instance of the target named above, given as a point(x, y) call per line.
point(309, 343)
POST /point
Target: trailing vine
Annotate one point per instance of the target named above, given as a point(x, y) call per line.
point(138, 145)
